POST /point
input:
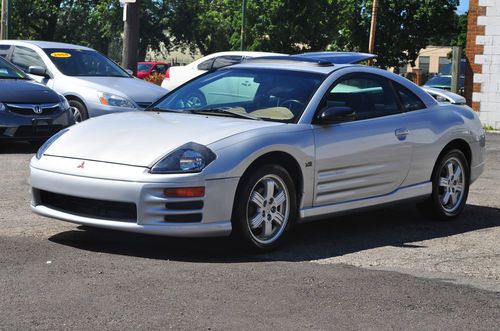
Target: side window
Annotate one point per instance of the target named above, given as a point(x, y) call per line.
point(230, 89)
point(409, 100)
point(206, 65)
point(224, 61)
point(160, 68)
point(24, 58)
point(369, 96)
point(4, 51)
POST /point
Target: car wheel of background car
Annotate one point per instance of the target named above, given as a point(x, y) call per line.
point(265, 208)
point(450, 187)
point(196, 100)
point(79, 111)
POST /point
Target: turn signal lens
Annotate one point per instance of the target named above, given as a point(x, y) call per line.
point(185, 192)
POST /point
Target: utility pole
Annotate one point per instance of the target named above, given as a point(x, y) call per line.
point(4, 20)
point(373, 30)
point(455, 68)
point(130, 34)
point(243, 23)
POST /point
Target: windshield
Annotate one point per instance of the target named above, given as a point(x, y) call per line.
point(8, 71)
point(268, 94)
point(76, 62)
point(144, 67)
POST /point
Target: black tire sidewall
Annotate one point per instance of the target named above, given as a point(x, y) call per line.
point(438, 209)
point(81, 108)
point(241, 230)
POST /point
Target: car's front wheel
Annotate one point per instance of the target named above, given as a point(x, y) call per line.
point(265, 208)
point(450, 187)
point(78, 110)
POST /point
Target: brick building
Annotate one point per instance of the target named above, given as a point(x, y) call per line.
point(482, 81)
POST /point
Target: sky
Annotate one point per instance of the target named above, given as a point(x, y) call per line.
point(464, 6)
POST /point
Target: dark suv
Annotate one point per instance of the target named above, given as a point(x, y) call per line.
point(29, 110)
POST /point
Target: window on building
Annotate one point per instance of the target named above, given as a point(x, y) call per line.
point(423, 64)
point(444, 65)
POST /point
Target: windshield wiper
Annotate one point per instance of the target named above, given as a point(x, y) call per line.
point(222, 110)
point(164, 110)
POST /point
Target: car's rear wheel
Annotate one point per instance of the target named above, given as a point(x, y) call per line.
point(265, 208)
point(450, 187)
point(78, 110)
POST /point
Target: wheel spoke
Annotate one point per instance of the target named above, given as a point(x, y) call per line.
point(268, 228)
point(257, 198)
point(256, 221)
point(450, 170)
point(446, 198)
point(457, 173)
point(280, 199)
point(279, 218)
point(454, 198)
point(459, 187)
point(269, 189)
point(443, 182)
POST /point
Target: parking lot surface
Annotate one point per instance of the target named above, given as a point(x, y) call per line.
point(385, 268)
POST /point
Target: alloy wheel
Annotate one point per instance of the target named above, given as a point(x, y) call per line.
point(268, 209)
point(451, 184)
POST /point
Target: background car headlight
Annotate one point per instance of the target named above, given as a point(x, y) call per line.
point(63, 105)
point(2, 107)
point(114, 100)
point(191, 157)
point(49, 142)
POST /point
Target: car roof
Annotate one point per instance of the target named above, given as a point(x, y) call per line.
point(44, 44)
point(292, 65)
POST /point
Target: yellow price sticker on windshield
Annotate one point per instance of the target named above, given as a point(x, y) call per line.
point(60, 55)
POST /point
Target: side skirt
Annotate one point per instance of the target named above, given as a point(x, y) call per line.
point(404, 194)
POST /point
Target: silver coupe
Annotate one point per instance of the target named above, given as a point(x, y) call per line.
point(253, 149)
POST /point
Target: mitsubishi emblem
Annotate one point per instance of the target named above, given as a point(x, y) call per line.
point(81, 165)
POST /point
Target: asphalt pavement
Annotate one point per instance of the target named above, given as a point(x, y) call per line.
point(383, 269)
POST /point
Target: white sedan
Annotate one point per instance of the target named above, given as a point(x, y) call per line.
point(273, 142)
point(178, 75)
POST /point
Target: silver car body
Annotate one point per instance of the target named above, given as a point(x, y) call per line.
point(85, 89)
point(343, 167)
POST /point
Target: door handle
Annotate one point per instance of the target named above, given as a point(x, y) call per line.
point(401, 133)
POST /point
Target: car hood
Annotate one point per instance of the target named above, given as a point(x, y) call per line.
point(137, 90)
point(142, 138)
point(26, 91)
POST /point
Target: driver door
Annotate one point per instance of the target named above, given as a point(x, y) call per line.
point(366, 157)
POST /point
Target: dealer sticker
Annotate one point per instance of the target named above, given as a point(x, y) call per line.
point(60, 55)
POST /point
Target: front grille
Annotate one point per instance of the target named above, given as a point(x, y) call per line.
point(29, 131)
point(102, 209)
point(33, 109)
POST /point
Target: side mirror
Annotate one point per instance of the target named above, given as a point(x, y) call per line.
point(38, 71)
point(336, 114)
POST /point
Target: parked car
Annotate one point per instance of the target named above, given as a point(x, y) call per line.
point(178, 75)
point(29, 110)
point(272, 143)
point(146, 69)
point(93, 84)
point(443, 79)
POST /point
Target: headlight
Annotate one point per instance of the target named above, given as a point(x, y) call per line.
point(63, 105)
point(2, 107)
point(49, 142)
point(114, 100)
point(191, 157)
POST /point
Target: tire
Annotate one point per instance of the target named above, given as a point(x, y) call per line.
point(261, 220)
point(450, 187)
point(79, 111)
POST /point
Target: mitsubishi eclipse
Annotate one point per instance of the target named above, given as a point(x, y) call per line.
point(251, 150)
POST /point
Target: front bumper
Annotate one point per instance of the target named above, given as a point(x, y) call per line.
point(35, 127)
point(151, 203)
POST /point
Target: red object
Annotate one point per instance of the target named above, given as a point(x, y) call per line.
point(145, 69)
point(167, 74)
point(185, 192)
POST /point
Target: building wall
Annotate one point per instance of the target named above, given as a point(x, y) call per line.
point(483, 59)
point(434, 53)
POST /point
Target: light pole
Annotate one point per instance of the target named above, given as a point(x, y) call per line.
point(4, 20)
point(243, 23)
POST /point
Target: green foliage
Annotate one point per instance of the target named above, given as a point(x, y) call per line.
point(286, 26)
